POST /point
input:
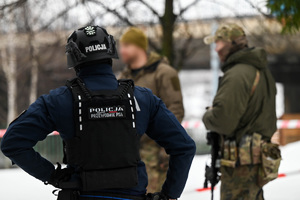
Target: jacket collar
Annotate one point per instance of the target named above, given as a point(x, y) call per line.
point(153, 61)
point(99, 69)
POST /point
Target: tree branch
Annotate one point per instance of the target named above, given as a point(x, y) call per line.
point(60, 14)
point(232, 9)
point(150, 8)
point(122, 18)
point(13, 5)
point(259, 10)
point(183, 10)
point(113, 11)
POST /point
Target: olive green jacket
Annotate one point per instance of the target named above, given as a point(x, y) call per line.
point(162, 79)
point(236, 110)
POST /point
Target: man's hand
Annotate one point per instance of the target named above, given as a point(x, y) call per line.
point(60, 175)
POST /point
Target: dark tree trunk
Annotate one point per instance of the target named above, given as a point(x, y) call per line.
point(167, 22)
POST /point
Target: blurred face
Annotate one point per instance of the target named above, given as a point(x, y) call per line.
point(129, 52)
point(223, 49)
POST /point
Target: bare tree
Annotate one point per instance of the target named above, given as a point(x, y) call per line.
point(34, 69)
point(33, 52)
point(9, 66)
point(167, 22)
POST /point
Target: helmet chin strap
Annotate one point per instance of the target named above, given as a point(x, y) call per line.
point(77, 70)
point(74, 54)
point(72, 48)
point(111, 44)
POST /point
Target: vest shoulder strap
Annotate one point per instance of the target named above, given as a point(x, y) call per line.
point(126, 82)
point(77, 86)
point(255, 83)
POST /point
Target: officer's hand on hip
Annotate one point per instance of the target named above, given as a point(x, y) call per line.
point(60, 175)
point(158, 196)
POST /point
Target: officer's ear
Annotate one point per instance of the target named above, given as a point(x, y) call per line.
point(112, 46)
point(74, 55)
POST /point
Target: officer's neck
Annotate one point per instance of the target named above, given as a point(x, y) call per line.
point(96, 69)
point(140, 61)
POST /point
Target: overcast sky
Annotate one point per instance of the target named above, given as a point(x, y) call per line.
point(42, 12)
point(203, 9)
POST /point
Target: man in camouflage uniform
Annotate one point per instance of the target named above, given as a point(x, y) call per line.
point(152, 71)
point(243, 112)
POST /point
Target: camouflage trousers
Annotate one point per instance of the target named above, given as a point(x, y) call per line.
point(240, 183)
point(156, 161)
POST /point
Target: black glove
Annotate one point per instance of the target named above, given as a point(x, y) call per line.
point(157, 196)
point(209, 174)
point(60, 175)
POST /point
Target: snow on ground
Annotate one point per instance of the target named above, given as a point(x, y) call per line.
point(17, 185)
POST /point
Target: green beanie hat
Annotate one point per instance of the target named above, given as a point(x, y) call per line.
point(135, 36)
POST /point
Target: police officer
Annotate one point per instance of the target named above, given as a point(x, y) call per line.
point(243, 112)
point(100, 121)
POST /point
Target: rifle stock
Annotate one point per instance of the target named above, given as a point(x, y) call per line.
point(212, 172)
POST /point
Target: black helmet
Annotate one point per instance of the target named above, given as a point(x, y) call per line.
point(90, 43)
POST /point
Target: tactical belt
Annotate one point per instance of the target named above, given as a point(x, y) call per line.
point(109, 196)
point(76, 195)
point(248, 152)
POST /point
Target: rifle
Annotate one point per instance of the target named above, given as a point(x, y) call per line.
point(212, 172)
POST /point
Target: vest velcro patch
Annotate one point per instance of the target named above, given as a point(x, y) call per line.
point(107, 112)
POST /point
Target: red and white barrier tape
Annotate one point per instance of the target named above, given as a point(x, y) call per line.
point(191, 124)
point(2, 131)
point(281, 124)
point(288, 124)
point(195, 124)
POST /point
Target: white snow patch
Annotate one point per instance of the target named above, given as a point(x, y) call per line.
point(18, 185)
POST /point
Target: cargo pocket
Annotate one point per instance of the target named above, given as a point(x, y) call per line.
point(229, 154)
point(271, 158)
point(245, 150)
point(256, 148)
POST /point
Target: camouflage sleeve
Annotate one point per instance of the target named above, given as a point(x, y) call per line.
point(169, 90)
point(169, 134)
point(230, 102)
